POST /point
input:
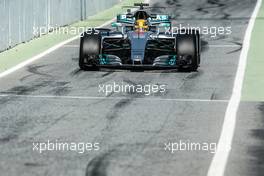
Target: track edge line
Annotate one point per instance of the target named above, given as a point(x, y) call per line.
point(220, 159)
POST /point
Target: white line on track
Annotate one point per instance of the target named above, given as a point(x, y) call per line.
point(110, 98)
point(71, 46)
point(218, 164)
point(224, 46)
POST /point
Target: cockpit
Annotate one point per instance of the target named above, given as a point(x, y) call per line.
point(141, 15)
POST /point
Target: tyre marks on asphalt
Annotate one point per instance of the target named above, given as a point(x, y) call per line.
point(36, 81)
point(257, 150)
point(239, 44)
point(35, 70)
point(7, 138)
point(189, 77)
point(247, 154)
point(11, 129)
point(212, 5)
point(34, 164)
point(123, 103)
point(118, 107)
point(194, 75)
point(107, 73)
point(26, 89)
point(60, 89)
point(101, 164)
point(75, 72)
point(214, 95)
point(56, 88)
point(98, 165)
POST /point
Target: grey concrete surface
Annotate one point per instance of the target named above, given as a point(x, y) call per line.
point(51, 99)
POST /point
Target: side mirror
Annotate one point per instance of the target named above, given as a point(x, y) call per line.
point(129, 15)
point(115, 24)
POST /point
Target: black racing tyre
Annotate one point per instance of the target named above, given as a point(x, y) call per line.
point(188, 49)
point(90, 47)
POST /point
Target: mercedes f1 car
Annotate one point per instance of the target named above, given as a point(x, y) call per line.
point(136, 41)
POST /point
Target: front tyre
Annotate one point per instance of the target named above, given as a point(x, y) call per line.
point(90, 47)
point(188, 50)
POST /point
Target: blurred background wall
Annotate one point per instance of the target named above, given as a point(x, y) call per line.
point(18, 18)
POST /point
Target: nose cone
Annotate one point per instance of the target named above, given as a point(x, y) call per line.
point(138, 45)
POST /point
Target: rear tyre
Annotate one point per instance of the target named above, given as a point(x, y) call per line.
point(90, 47)
point(188, 50)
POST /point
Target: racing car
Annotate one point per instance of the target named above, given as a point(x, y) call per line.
point(136, 41)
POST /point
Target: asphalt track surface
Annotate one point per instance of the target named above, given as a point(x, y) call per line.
point(51, 99)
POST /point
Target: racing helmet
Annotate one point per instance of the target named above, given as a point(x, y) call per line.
point(141, 25)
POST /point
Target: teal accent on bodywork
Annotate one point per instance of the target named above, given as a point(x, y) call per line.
point(127, 21)
point(165, 25)
point(161, 23)
point(103, 59)
point(162, 17)
point(172, 60)
point(123, 19)
point(115, 24)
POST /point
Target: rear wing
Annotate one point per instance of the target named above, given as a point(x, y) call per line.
point(141, 5)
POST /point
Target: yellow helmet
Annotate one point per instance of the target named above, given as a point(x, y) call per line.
point(141, 25)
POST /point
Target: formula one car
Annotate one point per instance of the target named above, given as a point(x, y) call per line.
point(136, 41)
